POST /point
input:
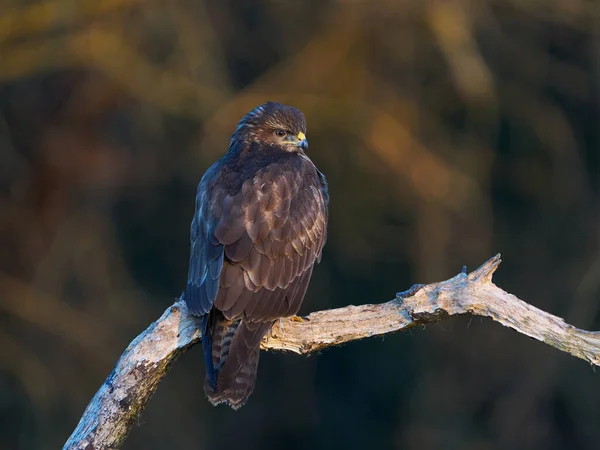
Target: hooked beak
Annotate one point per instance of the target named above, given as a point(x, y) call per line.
point(302, 142)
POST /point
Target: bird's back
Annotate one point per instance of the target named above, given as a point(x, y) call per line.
point(259, 226)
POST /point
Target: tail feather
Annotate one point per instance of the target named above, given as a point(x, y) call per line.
point(206, 346)
point(234, 357)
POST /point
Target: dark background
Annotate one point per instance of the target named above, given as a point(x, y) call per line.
point(449, 131)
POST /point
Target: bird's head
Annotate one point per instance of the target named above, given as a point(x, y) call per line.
point(275, 125)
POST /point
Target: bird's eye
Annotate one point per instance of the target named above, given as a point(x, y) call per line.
point(280, 133)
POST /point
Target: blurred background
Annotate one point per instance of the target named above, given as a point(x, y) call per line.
point(449, 131)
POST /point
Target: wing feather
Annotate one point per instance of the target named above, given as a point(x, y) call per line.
point(239, 250)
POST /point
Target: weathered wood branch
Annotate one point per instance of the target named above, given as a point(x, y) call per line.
point(113, 410)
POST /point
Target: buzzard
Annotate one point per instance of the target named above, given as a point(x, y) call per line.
point(259, 226)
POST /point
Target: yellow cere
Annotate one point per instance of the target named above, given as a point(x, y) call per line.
point(301, 136)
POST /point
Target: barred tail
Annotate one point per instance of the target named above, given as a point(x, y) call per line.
point(235, 348)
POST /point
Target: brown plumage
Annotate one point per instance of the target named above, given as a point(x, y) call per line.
point(259, 226)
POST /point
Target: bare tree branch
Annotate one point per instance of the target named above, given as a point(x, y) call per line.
point(113, 410)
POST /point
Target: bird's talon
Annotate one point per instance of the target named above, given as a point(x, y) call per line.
point(296, 319)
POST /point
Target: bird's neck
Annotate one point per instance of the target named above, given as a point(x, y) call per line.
point(251, 150)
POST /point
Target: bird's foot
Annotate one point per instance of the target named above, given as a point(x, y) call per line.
point(296, 319)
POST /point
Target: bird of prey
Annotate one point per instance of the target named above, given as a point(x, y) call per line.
point(259, 226)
